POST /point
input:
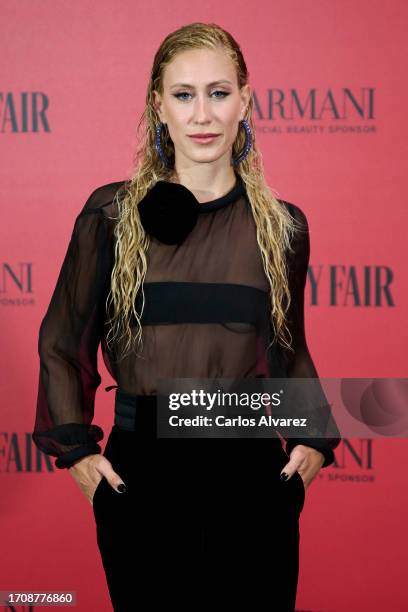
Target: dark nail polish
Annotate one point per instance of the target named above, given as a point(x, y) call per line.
point(284, 476)
point(121, 488)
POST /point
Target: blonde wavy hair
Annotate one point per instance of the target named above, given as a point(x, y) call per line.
point(275, 225)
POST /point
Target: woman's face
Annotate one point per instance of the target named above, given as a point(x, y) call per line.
point(201, 96)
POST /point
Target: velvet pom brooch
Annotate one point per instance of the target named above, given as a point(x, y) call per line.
point(169, 212)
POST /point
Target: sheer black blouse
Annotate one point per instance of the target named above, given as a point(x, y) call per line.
point(206, 315)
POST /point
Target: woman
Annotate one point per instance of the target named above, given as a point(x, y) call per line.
point(190, 269)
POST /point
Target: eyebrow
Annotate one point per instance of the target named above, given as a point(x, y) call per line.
point(209, 84)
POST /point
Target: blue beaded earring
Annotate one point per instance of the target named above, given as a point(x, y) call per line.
point(235, 162)
point(158, 145)
point(247, 146)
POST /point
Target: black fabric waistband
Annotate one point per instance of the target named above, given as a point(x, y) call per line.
point(138, 414)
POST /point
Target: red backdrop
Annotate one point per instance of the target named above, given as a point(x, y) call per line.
point(330, 84)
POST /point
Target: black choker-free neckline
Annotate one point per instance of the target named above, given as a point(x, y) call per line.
point(169, 211)
point(233, 194)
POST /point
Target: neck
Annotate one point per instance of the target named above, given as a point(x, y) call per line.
point(206, 191)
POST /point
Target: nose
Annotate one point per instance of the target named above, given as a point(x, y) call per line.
point(201, 109)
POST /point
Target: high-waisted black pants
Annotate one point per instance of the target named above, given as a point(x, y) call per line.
point(204, 523)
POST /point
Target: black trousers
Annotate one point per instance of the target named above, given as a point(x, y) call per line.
point(204, 523)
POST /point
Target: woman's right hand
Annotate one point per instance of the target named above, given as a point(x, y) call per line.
point(89, 471)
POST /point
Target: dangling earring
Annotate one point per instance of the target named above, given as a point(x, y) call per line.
point(158, 144)
point(235, 162)
point(247, 146)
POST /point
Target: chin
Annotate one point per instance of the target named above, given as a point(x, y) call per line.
point(208, 156)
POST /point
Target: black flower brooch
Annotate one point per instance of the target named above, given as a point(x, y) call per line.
point(169, 212)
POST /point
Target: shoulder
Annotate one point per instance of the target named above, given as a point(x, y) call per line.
point(101, 197)
point(296, 213)
point(300, 238)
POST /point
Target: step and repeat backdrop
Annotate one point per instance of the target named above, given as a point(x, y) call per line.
point(329, 86)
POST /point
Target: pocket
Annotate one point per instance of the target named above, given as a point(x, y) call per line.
point(301, 487)
point(98, 487)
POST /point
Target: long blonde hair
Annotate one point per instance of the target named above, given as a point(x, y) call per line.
point(274, 224)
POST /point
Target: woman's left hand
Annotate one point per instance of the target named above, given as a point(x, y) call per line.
point(307, 461)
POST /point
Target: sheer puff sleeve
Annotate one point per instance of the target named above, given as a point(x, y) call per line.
point(68, 341)
point(299, 364)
